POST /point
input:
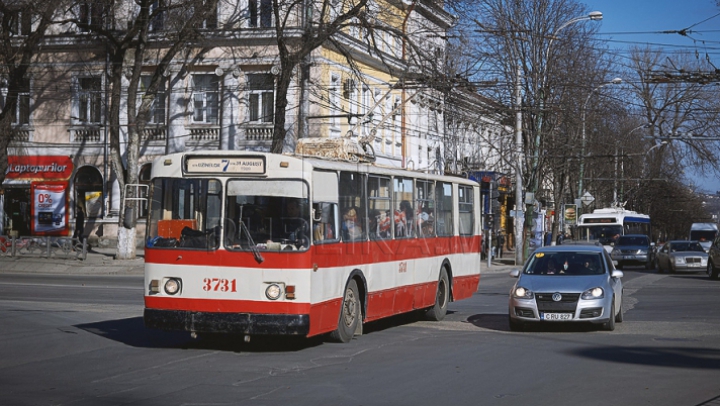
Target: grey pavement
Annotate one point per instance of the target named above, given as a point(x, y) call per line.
point(101, 261)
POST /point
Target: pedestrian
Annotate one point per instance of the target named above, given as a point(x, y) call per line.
point(501, 244)
point(79, 223)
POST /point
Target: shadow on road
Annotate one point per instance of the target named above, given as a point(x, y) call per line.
point(673, 357)
point(132, 332)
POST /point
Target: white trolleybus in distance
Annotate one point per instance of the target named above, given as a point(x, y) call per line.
point(606, 225)
point(267, 244)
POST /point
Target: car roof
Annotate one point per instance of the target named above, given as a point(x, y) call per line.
point(573, 247)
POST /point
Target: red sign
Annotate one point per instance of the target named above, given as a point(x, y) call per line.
point(39, 167)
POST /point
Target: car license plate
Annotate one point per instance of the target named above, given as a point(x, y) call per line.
point(555, 316)
point(694, 264)
point(629, 257)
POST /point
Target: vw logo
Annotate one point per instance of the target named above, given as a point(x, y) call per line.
point(556, 297)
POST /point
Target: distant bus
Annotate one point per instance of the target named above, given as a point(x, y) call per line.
point(265, 244)
point(605, 225)
point(704, 233)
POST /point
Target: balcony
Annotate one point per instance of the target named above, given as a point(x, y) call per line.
point(154, 133)
point(205, 133)
point(86, 135)
point(259, 132)
point(21, 134)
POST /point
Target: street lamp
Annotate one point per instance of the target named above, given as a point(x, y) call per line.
point(592, 16)
point(582, 150)
point(615, 185)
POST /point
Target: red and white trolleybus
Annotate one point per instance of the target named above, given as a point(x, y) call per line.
point(268, 244)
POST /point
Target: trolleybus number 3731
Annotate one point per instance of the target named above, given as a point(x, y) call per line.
point(221, 285)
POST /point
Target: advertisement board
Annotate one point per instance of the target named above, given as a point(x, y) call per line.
point(570, 215)
point(49, 208)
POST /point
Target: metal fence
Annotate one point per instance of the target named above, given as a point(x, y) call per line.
point(43, 247)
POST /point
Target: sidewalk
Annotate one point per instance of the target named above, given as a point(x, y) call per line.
point(506, 263)
point(100, 261)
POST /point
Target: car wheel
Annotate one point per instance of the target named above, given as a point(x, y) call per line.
point(712, 271)
point(515, 325)
point(619, 316)
point(610, 324)
point(437, 312)
point(350, 314)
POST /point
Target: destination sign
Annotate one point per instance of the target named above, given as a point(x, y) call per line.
point(602, 220)
point(233, 165)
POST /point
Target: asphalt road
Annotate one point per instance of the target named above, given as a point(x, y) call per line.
point(80, 340)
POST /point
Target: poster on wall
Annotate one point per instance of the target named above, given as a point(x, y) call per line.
point(49, 209)
point(93, 204)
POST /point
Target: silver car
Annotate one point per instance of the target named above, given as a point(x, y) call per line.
point(576, 284)
point(681, 256)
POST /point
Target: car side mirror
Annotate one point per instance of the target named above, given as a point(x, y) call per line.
point(515, 273)
point(617, 274)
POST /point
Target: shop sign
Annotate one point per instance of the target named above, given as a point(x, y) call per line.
point(39, 167)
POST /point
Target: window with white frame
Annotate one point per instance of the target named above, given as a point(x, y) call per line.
point(334, 99)
point(205, 90)
point(88, 100)
point(260, 13)
point(22, 112)
point(157, 109)
point(158, 15)
point(261, 97)
point(91, 15)
point(20, 22)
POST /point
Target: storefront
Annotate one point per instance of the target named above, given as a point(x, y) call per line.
point(35, 196)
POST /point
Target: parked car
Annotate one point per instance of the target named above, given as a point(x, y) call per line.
point(634, 249)
point(713, 264)
point(567, 283)
point(681, 255)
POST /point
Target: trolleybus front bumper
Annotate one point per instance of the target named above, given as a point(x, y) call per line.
point(232, 323)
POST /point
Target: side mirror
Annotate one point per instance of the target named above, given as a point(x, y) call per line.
point(515, 273)
point(617, 274)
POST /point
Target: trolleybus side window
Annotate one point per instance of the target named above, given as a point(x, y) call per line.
point(352, 206)
point(270, 215)
point(184, 213)
point(325, 213)
point(425, 209)
point(404, 212)
point(444, 226)
point(379, 212)
point(465, 199)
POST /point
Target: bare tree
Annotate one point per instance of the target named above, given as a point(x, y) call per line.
point(128, 52)
point(23, 27)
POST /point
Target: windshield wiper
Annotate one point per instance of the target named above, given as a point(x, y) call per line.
point(253, 248)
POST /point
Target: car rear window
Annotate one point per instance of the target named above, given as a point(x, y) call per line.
point(633, 241)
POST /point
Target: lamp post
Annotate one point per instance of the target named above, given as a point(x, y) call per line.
point(592, 16)
point(582, 147)
point(615, 184)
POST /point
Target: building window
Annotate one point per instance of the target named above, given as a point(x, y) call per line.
point(22, 110)
point(157, 14)
point(157, 109)
point(211, 18)
point(334, 98)
point(261, 13)
point(88, 107)
point(261, 97)
point(205, 98)
point(90, 16)
point(20, 22)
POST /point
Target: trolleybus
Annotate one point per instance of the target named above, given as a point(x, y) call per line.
point(605, 225)
point(268, 244)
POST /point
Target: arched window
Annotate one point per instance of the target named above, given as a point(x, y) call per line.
point(89, 191)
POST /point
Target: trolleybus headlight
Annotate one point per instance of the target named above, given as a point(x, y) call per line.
point(273, 291)
point(172, 286)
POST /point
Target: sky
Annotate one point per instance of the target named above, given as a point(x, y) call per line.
point(627, 23)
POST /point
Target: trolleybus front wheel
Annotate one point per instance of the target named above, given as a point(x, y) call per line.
point(350, 314)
